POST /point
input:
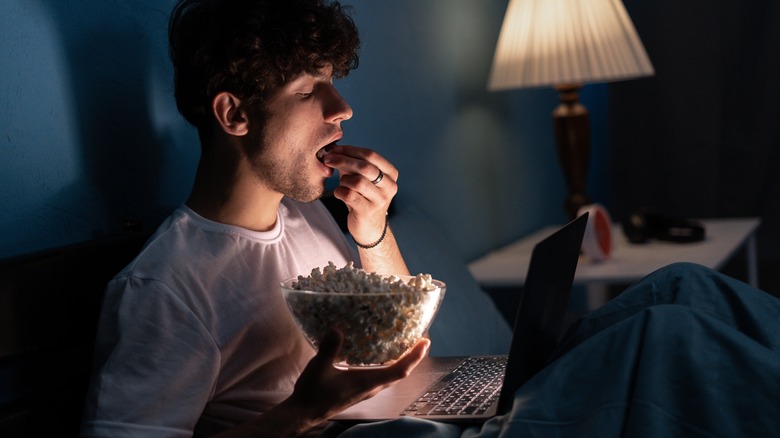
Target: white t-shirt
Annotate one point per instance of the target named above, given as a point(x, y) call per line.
point(194, 334)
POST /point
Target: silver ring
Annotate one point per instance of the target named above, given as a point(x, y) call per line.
point(379, 177)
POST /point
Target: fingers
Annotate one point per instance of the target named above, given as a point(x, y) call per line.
point(367, 163)
point(330, 347)
point(367, 202)
point(358, 168)
point(368, 382)
point(403, 366)
point(347, 386)
point(410, 360)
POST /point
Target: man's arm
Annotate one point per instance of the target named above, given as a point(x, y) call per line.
point(323, 390)
point(384, 258)
point(367, 185)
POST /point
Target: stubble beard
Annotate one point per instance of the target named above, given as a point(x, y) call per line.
point(288, 180)
point(283, 174)
point(286, 174)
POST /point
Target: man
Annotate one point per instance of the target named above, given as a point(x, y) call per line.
point(194, 336)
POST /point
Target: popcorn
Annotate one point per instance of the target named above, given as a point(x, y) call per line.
point(353, 280)
point(381, 317)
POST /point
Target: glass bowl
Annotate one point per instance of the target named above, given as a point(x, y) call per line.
point(378, 327)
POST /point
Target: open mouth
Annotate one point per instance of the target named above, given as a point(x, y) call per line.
point(324, 151)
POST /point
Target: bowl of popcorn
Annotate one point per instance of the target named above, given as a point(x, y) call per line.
point(380, 316)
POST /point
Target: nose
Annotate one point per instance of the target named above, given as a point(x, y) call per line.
point(337, 109)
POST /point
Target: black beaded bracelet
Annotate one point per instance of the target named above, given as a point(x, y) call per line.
point(381, 238)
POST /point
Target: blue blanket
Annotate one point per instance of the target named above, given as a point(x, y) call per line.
point(685, 352)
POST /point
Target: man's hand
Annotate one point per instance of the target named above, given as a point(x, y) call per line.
point(325, 390)
point(367, 202)
point(368, 197)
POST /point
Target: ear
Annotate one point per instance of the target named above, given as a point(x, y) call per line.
point(230, 114)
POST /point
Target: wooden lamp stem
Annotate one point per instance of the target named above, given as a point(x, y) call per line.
point(572, 135)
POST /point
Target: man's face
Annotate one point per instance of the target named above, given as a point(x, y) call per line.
point(302, 117)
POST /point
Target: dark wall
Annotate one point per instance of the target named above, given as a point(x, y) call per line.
point(91, 137)
point(701, 138)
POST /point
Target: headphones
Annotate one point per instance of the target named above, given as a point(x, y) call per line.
point(647, 224)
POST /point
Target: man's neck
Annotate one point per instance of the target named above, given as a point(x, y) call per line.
point(234, 198)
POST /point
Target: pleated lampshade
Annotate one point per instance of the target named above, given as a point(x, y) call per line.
point(554, 42)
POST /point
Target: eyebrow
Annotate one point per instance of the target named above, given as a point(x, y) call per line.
point(324, 72)
point(318, 75)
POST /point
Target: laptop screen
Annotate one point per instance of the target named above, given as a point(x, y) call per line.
point(543, 304)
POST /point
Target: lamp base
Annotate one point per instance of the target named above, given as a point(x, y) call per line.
point(572, 135)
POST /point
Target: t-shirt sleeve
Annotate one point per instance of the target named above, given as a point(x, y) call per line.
point(155, 364)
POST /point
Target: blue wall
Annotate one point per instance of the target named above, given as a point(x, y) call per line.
point(91, 137)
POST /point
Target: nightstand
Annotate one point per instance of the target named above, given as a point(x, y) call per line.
point(506, 267)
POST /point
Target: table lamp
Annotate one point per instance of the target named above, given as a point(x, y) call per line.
point(566, 43)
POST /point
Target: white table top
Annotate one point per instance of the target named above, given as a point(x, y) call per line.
point(508, 266)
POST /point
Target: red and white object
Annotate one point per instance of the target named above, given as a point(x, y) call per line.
point(597, 242)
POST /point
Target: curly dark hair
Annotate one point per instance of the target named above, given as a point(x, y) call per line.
point(249, 47)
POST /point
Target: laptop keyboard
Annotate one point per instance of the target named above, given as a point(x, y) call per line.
point(470, 389)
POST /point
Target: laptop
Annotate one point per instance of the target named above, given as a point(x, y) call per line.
point(438, 387)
